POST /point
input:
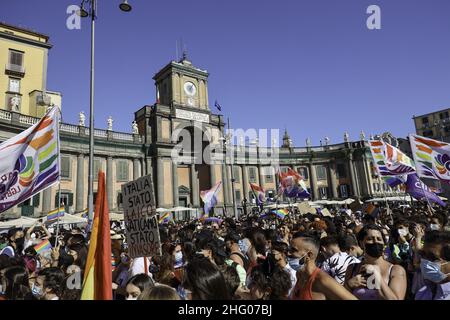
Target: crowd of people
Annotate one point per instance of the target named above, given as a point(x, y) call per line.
point(401, 253)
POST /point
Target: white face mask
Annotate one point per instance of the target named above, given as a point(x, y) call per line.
point(131, 298)
point(434, 226)
point(403, 232)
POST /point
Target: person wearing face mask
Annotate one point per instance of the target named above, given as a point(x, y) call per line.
point(15, 284)
point(279, 254)
point(15, 243)
point(136, 286)
point(313, 283)
point(120, 277)
point(48, 284)
point(375, 278)
point(399, 246)
point(437, 222)
point(435, 267)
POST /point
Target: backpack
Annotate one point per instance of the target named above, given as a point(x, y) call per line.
point(245, 259)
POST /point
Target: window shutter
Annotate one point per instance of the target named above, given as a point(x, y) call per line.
point(36, 200)
point(70, 199)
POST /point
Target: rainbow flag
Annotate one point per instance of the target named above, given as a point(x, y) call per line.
point(389, 160)
point(29, 161)
point(55, 214)
point(97, 282)
point(165, 218)
point(43, 246)
point(432, 158)
point(281, 213)
point(388, 163)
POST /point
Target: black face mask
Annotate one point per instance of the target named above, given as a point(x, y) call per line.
point(65, 259)
point(374, 250)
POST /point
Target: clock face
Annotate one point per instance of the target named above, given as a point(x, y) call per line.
point(190, 89)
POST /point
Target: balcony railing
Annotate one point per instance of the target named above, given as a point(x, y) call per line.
point(5, 115)
point(27, 119)
point(14, 117)
point(15, 69)
point(70, 128)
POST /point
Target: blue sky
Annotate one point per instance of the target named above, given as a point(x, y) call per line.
point(311, 66)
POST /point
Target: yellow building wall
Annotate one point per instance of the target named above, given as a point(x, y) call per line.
point(35, 72)
point(218, 172)
point(184, 177)
point(167, 174)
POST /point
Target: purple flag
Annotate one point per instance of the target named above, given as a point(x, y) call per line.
point(420, 191)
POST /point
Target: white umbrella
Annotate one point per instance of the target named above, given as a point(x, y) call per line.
point(177, 209)
point(68, 219)
point(162, 210)
point(23, 222)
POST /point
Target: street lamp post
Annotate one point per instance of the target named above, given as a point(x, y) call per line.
point(124, 6)
point(226, 142)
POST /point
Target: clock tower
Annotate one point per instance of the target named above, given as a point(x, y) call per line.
point(182, 84)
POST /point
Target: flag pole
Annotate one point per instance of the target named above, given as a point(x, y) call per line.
point(58, 213)
point(426, 197)
point(384, 194)
point(59, 180)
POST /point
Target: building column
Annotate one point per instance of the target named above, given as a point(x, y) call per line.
point(245, 183)
point(212, 175)
point(332, 177)
point(160, 181)
point(47, 201)
point(175, 183)
point(313, 182)
point(148, 166)
point(136, 171)
point(109, 182)
point(261, 176)
point(79, 205)
point(226, 189)
point(367, 174)
point(230, 182)
point(353, 175)
point(194, 187)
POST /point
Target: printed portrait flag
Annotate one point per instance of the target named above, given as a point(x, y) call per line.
point(30, 161)
point(259, 193)
point(209, 198)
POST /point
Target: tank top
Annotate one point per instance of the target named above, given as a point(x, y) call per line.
point(305, 292)
point(366, 293)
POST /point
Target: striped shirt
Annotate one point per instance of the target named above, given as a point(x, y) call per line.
point(337, 265)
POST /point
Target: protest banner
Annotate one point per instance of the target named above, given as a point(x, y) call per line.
point(305, 208)
point(326, 213)
point(141, 221)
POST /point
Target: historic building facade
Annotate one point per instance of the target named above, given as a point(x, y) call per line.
point(182, 116)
